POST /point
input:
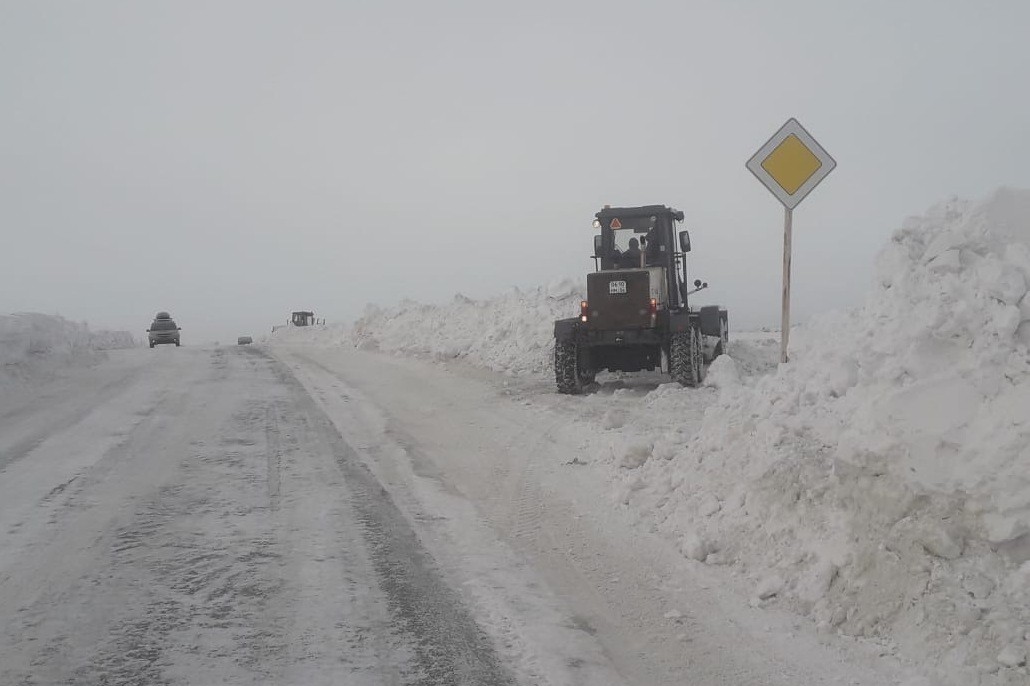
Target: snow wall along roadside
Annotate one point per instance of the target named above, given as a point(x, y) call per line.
point(512, 333)
point(33, 344)
point(879, 483)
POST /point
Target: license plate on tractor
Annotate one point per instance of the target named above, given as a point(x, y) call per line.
point(616, 288)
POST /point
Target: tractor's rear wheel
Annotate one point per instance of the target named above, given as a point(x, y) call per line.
point(571, 372)
point(686, 357)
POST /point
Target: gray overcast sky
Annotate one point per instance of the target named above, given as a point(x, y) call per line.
point(233, 161)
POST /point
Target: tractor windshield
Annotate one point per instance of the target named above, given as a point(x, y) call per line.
point(622, 237)
point(629, 238)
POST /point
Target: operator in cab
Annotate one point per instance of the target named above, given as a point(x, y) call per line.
point(630, 259)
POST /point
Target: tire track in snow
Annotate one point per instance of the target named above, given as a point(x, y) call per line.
point(450, 647)
point(274, 454)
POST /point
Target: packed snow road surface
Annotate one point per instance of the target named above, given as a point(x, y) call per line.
point(191, 517)
point(328, 516)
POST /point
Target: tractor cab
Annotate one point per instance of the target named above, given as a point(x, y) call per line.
point(302, 318)
point(644, 238)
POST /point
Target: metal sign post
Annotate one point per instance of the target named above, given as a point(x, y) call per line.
point(788, 215)
point(790, 165)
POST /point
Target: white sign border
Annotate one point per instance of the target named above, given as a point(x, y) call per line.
point(754, 165)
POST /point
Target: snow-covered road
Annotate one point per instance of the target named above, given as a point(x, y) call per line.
point(195, 519)
point(311, 515)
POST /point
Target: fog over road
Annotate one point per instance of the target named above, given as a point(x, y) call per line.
point(240, 515)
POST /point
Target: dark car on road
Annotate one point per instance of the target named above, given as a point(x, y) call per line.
point(163, 330)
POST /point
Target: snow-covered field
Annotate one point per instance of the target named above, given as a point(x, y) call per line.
point(32, 344)
point(878, 484)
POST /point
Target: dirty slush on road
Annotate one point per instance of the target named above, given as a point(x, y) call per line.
point(262, 550)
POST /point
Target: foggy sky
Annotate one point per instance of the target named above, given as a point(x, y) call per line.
point(233, 161)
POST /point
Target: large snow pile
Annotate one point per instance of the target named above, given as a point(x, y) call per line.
point(880, 482)
point(32, 343)
point(511, 333)
point(112, 340)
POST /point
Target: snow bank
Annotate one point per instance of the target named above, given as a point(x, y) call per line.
point(32, 344)
point(112, 340)
point(880, 482)
point(511, 333)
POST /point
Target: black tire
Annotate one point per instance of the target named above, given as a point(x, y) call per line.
point(177, 344)
point(570, 374)
point(152, 345)
point(686, 357)
point(723, 346)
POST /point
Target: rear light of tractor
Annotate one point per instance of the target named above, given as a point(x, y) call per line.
point(654, 307)
point(584, 306)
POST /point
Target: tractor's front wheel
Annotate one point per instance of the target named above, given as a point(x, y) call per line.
point(571, 373)
point(686, 357)
point(723, 346)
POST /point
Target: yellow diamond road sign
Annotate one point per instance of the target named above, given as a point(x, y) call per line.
point(791, 164)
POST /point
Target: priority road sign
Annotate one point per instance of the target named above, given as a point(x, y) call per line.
point(791, 164)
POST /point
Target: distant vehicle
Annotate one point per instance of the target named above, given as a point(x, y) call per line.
point(302, 318)
point(244, 340)
point(163, 330)
point(299, 318)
